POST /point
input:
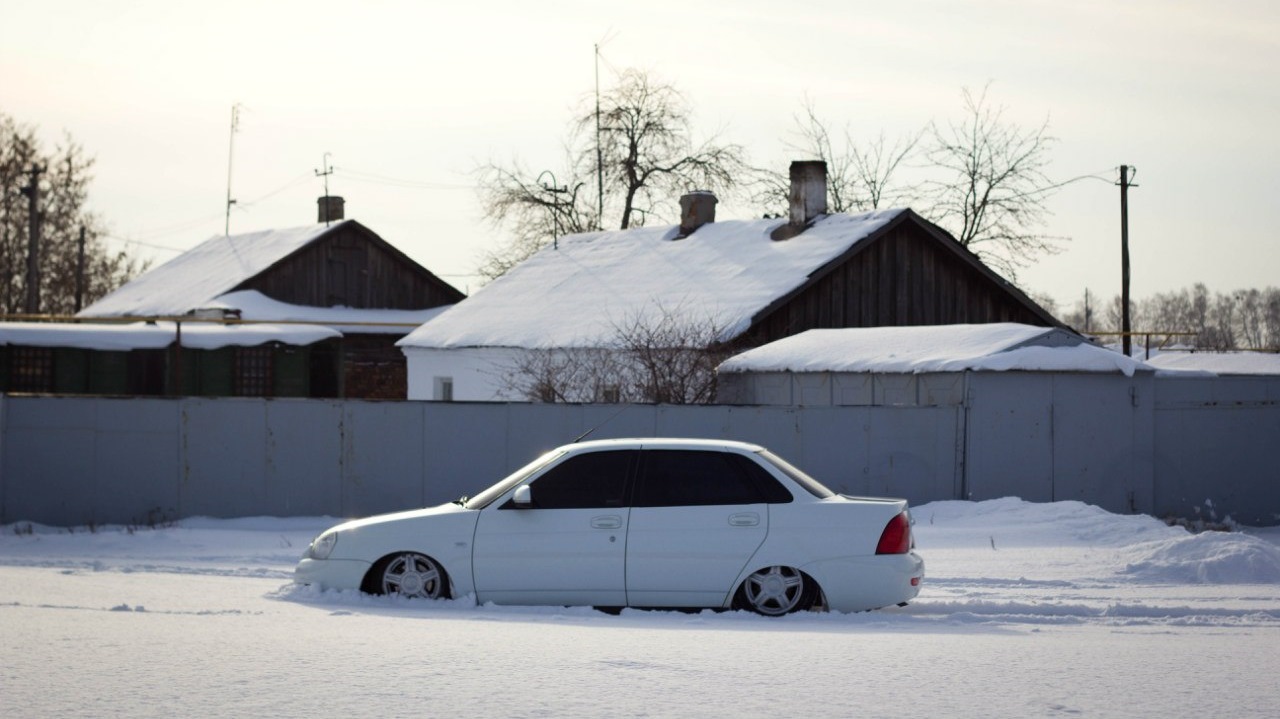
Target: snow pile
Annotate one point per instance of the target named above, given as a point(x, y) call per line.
point(1205, 558)
point(1080, 544)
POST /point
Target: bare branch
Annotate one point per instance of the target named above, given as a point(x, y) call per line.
point(991, 196)
point(650, 159)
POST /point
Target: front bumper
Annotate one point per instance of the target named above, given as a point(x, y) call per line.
point(331, 573)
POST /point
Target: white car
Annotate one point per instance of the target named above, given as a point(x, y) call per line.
point(641, 523)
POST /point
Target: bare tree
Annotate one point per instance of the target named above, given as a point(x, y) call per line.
point(663, 357)
point(63, 193)
point(860, 176)
point(992, 192)
point(673, 359)
point(649, 159)
point(535, 210)
point(1197, 318)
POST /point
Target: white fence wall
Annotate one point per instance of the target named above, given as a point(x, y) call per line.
point(1125, 445)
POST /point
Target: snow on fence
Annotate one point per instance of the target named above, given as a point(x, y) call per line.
point(86, 460)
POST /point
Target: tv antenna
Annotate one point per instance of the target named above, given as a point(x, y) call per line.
point(231, 150)
point(328, 170)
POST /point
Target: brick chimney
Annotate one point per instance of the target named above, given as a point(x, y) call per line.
point(331, 207)
point(808, 197)
point(696, 209)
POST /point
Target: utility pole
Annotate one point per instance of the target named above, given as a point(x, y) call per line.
point(1125, 326)
point(80, 271)
point(599, 151)
point(231, 150)
point(35, 217)
point(1088, 312)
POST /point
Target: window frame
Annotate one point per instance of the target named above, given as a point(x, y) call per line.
point(731, 459)
point(627, 481)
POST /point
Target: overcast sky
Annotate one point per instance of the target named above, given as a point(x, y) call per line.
point(409, 97)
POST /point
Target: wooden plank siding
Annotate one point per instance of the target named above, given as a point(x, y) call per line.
point(352, 267)
point(904, 275)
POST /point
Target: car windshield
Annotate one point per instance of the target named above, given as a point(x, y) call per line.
point(813, 486)
point(480, 501)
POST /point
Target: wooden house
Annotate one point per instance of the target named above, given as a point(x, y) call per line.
point(340, 276)
point(751, 282)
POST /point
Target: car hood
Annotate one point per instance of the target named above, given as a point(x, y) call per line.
point(441, 510)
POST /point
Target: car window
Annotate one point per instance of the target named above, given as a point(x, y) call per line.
point(595, 479)
point(673, 478)
point(770, 488)
point(811, 485)
point(482, 500)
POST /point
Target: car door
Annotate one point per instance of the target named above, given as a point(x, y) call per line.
point(696, 518)
point(568, 547)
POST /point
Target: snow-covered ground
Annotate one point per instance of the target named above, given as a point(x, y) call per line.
point(1028, 610)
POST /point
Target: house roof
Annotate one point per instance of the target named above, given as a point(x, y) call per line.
point(581, 293)
point(946, 348)
point(253, 305)
point(157, 335)
point(194, 278)
point(1221, 363)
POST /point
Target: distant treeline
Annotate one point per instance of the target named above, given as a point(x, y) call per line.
point(1243, 319)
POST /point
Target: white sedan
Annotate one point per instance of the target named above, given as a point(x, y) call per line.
point(641, 523)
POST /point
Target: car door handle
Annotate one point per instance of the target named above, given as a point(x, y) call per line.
point(608, 521)
point(744, 519)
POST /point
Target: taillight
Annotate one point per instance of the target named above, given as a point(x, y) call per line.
point(896, 537)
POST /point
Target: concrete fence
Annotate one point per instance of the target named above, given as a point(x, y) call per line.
point(1181, 450)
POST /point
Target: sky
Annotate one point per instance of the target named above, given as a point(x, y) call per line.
point(407, 99)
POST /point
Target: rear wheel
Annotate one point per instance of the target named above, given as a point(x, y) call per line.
point(408, 574)
point(774, 591)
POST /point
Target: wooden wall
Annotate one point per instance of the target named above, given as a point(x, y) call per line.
point(905, 277)
point(352, 267)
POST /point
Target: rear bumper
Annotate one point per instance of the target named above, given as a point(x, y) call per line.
point(856, 584)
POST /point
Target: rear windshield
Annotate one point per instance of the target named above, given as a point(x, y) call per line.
point(811, 485)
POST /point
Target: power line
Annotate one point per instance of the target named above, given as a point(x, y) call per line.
point(376, 179)
point(153, 246)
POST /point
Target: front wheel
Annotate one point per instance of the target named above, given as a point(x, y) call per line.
point(774, 591)
point(408, 574)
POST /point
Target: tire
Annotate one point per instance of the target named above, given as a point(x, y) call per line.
point(408, 574)
point(775, 591)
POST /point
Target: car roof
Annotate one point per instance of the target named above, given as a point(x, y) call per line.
point(663, 443)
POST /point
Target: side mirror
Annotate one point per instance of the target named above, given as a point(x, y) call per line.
point(523, 498)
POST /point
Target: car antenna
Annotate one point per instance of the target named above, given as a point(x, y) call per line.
point(607, 420)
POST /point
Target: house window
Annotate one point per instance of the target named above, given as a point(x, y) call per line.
point(31, 369)
point(443, 389)
point(610, 394)
point(253, 371)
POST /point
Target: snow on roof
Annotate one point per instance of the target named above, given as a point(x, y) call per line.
point(580, 294)
point(1228, 363)
point(943, 348)
point(147, 335)
point(254, 305)
point(120, 338)
point(204, 272)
